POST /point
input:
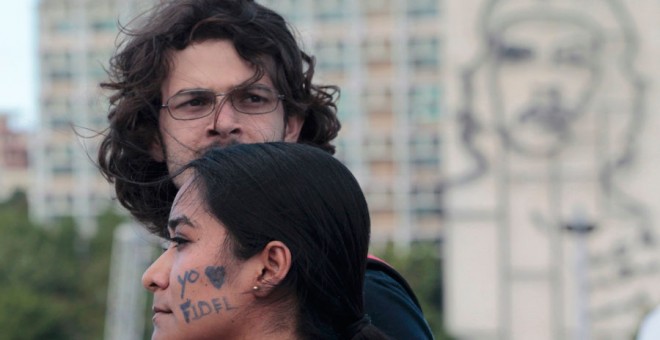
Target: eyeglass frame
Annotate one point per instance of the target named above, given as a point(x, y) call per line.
point(226, 95)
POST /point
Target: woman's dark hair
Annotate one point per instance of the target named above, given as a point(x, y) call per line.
point(142, 62)
point(307, 199)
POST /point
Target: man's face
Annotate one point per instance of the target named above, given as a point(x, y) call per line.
point(215, 65)
point(543, 75)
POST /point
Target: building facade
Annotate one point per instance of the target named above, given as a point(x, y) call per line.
point(552, 212)
point(14, 165)
point(76, 39)
point(387, 58)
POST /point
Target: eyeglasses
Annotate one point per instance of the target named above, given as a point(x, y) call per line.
point(194, 104)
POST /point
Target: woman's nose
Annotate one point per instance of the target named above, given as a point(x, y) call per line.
point(157, 275)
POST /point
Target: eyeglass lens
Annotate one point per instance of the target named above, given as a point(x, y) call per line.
point(198, 103)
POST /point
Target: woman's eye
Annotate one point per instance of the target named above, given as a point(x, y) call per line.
point(176, 242)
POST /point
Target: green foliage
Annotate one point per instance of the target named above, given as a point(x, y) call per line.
point(53, 282)
point(422, 268)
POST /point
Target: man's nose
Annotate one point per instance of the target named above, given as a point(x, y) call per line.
point(224, 118)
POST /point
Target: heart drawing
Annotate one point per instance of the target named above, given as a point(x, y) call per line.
point(216, 275)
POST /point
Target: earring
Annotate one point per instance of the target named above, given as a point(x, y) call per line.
point(255, 288)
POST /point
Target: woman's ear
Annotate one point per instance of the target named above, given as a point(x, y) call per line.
point(275, 260)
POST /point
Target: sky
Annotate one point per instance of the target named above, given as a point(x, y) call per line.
point(18, 62)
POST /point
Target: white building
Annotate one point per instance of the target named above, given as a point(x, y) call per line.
point(387, 57)
point(76, 39)
point(552, 127)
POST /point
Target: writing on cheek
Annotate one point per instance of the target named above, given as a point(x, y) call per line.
point(216, 275)
point(195, 311)
point(189, 276)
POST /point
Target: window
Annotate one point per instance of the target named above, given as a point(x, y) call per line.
point(424, 52)
point(60, 75)
point(378, 146)
point(424, 103)
point(378, 51)
point(65, 26)
point(61, 158)
point(378, 99)
point(330, 9)
point(376, 7)
point(292, 10)
point(104, 25)
point(330, 55)
point(380, 197)
point(423, 8)
point(426, 199)
point(425, 149)
point(58, 121)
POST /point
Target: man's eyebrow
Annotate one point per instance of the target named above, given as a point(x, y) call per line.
point(173, 223)
point(193, 89)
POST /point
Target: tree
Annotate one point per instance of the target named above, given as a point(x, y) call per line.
point(53, 282)
point(421, 265)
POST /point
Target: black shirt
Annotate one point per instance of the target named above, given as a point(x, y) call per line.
point(391, 304)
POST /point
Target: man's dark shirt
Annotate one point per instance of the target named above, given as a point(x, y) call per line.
point(392, 307)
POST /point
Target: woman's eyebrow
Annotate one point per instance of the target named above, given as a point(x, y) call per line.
point(174, 223)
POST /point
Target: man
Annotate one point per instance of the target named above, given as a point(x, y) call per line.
point(197, 74)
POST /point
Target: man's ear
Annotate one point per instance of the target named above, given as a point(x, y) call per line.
point(157, 152)
point(275, 260)
point(294, 124)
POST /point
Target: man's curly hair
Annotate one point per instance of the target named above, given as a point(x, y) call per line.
point(142, 63)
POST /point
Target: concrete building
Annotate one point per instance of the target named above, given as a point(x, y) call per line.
point(387, 57)
point(76, 39)
point(14, 166)
point(552, 225)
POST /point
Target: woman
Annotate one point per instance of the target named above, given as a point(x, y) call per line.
point(267, 241)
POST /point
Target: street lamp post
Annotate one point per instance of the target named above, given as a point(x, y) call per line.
point(580, 226)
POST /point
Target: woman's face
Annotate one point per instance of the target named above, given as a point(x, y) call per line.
point(200, 290)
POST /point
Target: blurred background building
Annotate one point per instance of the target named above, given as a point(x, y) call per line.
point(386, 55)
point(14, 166)
point(76, 38)
point(552, 189)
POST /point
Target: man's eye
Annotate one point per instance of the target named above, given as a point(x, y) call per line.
point(195, 102)
point(198, 101)
point(250, 98)
point(255, 99)
point(188, 101)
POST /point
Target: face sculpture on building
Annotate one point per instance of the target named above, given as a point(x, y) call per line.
point(549, 113)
